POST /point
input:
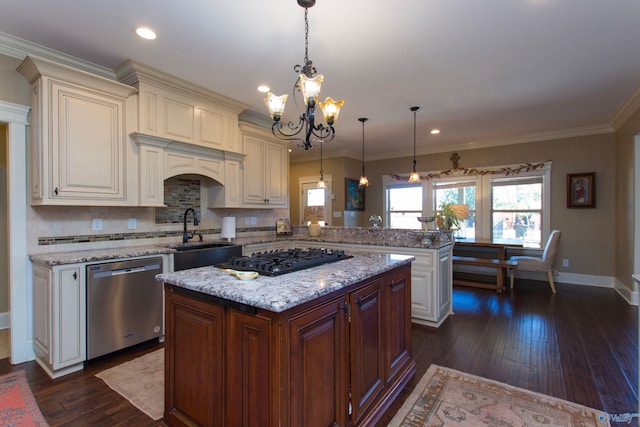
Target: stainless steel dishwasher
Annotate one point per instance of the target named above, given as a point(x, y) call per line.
point(124, 304)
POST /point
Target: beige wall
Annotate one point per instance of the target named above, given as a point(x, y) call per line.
point(624, 200)
point(588, 234)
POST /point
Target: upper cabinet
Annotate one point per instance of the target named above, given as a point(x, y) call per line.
point(79, 136)
point(181, 111)
point(265, 168)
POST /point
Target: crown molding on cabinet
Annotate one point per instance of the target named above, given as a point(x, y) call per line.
point(15, 47)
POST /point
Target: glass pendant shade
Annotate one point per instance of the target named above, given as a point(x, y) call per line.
point(310, 87)
point(414, 177)
point(331, 110)
point(321, 183)
point(275, 104)
point(363, 181)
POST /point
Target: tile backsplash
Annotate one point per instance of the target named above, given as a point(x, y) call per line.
point(180, 193)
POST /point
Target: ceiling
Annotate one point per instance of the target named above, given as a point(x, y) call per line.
point(484, 72)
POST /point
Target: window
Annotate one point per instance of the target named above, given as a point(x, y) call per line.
point(516, 209)
point(505, 202)
point(459, 192)
point(404, 206)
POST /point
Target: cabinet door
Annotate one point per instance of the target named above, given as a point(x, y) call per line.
point(276, 179)
point(445, 287)
point(249, 366)
point(367, 347)
point(317, 367)
point(194, 362)
point(87, 157)
point(42, 313)
point(398, 323)
point(69, 316)
point(254, 171)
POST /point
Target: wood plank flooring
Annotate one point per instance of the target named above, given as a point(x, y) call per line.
point(580, 345)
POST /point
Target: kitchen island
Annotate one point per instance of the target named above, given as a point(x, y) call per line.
point(330, 345)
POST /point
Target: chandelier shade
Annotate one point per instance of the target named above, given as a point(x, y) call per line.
point(414, 177)
point(308, 85)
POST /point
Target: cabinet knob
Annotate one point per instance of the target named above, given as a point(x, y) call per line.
point(75, 275)
point(55, 191)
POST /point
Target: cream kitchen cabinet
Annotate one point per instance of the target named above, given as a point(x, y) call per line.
point(265, 169)
point(79, 136)
point(181, 111)
point(59, 318)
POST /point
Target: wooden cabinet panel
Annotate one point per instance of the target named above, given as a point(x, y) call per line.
point(397, 323)
point(367, 347)
point(317, 367)
point(248, 370)
point(194, 362)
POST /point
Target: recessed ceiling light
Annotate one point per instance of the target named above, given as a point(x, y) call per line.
point(435, 131)
point(263, 88)
point(146, 33)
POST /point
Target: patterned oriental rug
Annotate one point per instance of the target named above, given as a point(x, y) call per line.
point(445, 397)
point(17, 404)
point(140, 381)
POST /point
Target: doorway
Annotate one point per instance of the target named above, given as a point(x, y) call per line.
point(314, 196)
point(14, 121)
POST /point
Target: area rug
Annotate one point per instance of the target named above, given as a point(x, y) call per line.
point(140, 381)
point(18, 407)
point(445, 397)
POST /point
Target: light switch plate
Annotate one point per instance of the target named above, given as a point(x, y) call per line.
point(132, 224)
point(97, 224)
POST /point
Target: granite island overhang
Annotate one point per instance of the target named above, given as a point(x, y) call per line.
point(283, 292)
point(330, 345)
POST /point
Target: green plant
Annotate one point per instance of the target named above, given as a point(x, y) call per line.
point(451, 214)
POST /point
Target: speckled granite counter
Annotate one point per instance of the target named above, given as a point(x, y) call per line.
point(74, 257)
point(280, 293)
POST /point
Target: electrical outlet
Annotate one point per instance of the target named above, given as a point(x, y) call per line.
point(254, 220)
point(247, 220)
point(97, 224)
point(565, 262)
point(132, 223)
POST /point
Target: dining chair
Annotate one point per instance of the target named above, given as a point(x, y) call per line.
point(528, 263)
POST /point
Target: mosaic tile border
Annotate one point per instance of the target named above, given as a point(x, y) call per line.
point(90, 238)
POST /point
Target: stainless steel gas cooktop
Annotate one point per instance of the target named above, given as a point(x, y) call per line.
point(274, 263)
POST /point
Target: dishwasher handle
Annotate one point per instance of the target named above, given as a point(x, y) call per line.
point(127, 270)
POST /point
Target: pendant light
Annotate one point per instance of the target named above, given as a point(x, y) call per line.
point(321, 183)
point(414, 177)
point(364, 182)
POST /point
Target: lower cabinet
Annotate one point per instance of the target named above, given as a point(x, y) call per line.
point(340, 360)
point(59, 318)
point(431, 277)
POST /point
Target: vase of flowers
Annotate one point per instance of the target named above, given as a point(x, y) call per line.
point(375, 220)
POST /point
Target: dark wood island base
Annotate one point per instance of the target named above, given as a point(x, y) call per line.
point(339, 360)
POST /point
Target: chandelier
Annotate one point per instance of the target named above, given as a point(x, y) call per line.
point(308, 83)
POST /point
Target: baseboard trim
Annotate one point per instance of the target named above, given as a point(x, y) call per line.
point(5, 320)
point(630, 295)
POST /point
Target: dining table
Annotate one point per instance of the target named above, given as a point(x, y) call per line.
point(492, 249)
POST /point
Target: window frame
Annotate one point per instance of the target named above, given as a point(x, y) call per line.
point(483, 193)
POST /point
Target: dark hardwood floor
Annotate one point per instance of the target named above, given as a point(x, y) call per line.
point(580, 345)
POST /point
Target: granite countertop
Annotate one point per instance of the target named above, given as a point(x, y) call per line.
point(280, 293)
point(74, 257)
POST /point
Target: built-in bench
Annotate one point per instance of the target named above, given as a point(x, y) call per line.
point(499, 264)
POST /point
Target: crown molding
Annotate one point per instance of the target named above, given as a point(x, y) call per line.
point(18, 48)
point(628, 107)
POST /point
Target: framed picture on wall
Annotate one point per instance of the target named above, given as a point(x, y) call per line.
point(581, 190)
point(354, 195)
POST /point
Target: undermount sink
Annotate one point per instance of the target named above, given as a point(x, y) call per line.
point(198, 246)
point(193, 255)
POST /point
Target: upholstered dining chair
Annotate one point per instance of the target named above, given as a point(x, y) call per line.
point(528, 263)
